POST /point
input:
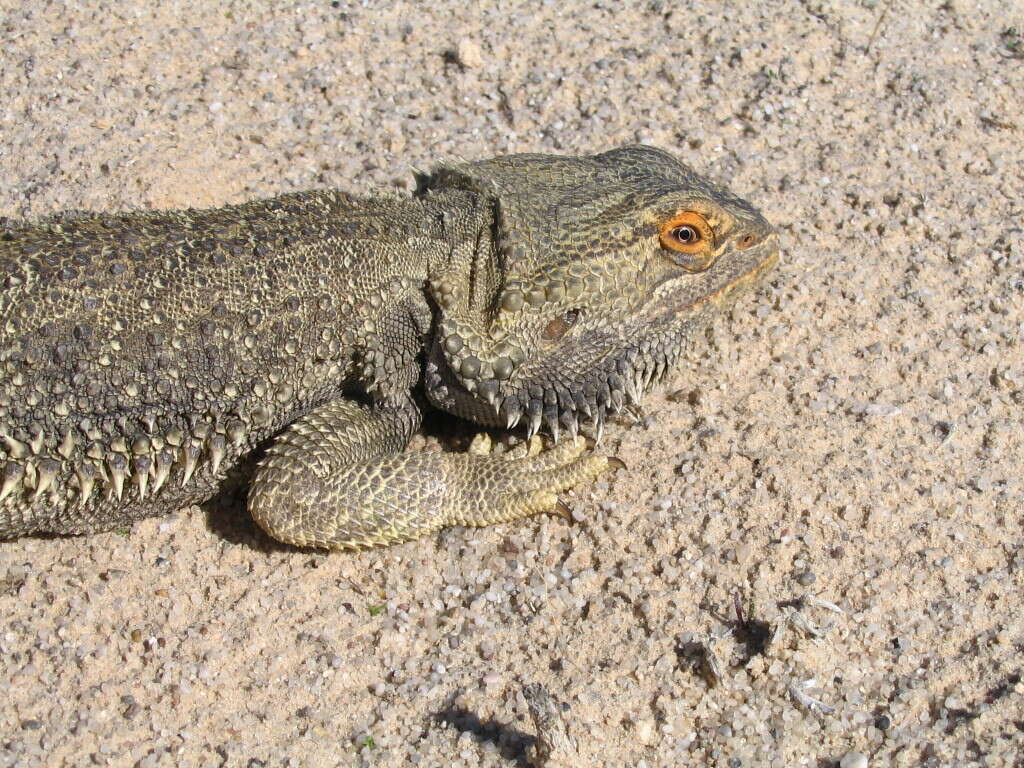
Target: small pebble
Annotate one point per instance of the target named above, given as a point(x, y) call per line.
point(468, 53)
point(645, 731)
point(883, 722)
point(806, 578)
point(853, 760)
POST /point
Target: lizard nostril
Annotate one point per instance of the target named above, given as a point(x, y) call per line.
point(746, 241)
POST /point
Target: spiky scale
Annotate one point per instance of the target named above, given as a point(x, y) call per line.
point(67, 444)
point(16, 448)
point(13, 474)
point(36, 441)
point(217, 450)
point(86, 475)
point(534, 412)
point(551, 421)
point(117, 465)
point(189, 458)
point(46, 473)
point(512, 410)
point(143, 465)
point(162, 469)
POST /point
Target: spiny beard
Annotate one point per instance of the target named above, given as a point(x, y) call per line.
point(584, 403)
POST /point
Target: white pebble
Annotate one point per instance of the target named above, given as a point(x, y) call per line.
point(468, 53)
point(853, 760)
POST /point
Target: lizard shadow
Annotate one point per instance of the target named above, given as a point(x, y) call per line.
point(512, 744)
point(227, 514)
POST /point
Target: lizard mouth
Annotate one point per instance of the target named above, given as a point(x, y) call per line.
point(734, 288)
point(637, 360)
point(621, 367)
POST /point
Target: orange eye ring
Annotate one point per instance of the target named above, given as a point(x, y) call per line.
point(687, 232)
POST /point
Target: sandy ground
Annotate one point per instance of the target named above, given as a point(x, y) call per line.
point(840, 456)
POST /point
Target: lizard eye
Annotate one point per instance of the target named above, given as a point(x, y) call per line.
point(687, 232)
point(558, 327)
point(685, 235)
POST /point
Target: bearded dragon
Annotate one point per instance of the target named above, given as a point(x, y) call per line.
point(144, 355)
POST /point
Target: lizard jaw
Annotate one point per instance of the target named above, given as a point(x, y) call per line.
point(567, 402)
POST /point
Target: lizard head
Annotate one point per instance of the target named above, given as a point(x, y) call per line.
point(586, 277)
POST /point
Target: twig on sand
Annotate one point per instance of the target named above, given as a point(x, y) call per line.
point(554, 747)
point(807, 702)
point(878, 25)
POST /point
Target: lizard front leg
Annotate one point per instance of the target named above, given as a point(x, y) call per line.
point(337, 479)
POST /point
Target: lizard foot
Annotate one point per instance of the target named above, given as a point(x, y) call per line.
point(337, 479)
point(526, 480)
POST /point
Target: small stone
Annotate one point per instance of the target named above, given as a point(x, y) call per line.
point(645, 731)
point(468, 53)
point(491, 679)
point(883, 722)
point(853, 760)
point(31, 725)
point(806, 578)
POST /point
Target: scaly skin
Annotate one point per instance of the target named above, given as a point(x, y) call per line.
point(143, 355)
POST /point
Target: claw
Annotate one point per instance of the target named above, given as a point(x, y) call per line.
point(562, 510)
point(614, 462)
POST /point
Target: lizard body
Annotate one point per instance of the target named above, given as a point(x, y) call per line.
point(144, 355)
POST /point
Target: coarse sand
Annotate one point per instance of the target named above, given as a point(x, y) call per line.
point(815, 554)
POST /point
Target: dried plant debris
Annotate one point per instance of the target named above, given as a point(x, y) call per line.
point(555, 747)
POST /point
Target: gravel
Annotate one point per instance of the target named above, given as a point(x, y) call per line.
point(888, 155)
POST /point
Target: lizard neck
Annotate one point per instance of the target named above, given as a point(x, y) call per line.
point(432, 236)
